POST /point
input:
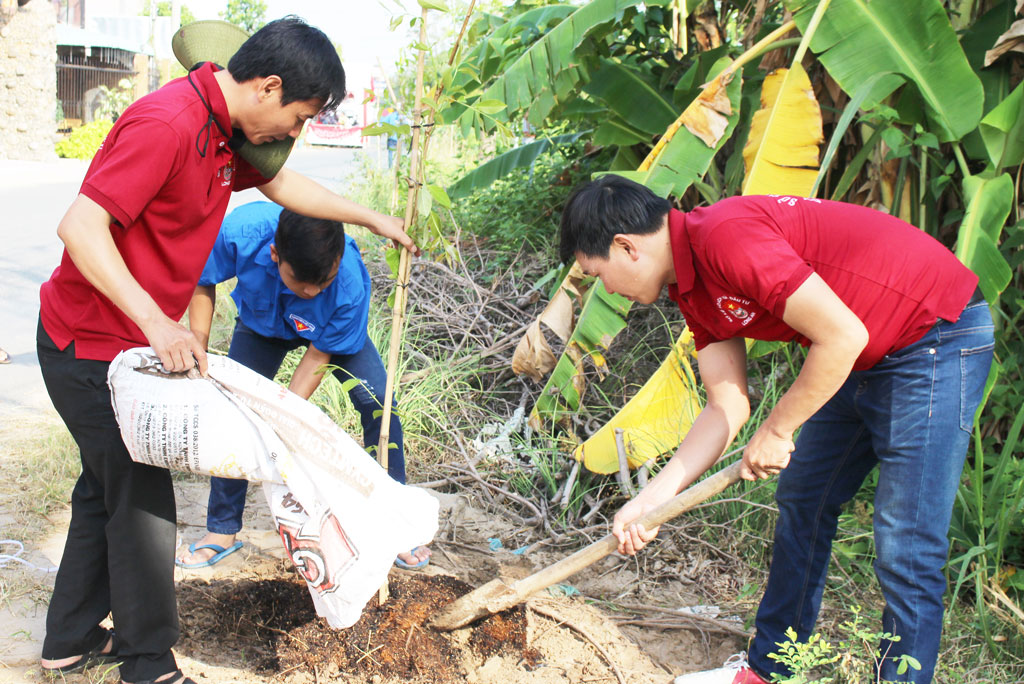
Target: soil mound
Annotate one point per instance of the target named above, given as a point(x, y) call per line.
point(271, 627)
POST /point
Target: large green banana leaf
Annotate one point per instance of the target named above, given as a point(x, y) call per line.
point(989, 201)
point(1002, 130)
point(503, 164)
point(550, 69)
point(632, 94)
point(859, 38)
point(485, 60)
point(690, 83)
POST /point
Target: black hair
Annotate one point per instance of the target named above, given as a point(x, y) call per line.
point(310, 246)
point(599, 210)
point(300, 54)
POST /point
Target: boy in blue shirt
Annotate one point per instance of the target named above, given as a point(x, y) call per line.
point(301, 282)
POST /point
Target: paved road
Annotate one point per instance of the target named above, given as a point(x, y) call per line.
point(33, 198)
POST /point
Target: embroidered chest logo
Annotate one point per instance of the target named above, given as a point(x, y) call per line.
point(226, 172)
point(735, 309)
point(301, 324)
point(791, 201)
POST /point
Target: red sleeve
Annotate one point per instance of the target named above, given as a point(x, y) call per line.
point(133, 164)
point(756, 259)
point(701, 337)
point(246, 175)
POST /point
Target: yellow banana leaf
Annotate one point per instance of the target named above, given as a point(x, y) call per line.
point(654, 420)
point(781, 154)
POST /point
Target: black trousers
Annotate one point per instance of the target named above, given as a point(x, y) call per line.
point(119, 555)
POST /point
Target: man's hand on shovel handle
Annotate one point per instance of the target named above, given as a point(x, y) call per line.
point(632, 536)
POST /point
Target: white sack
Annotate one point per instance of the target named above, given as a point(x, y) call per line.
point(341, 518)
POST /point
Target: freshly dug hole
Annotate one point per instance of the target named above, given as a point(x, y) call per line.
point(269, 626)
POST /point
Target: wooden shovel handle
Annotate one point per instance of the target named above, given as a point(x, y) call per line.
point(496, 595)
point(672, 508)
point(691, 496)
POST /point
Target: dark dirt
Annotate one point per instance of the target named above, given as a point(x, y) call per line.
point(269, 626)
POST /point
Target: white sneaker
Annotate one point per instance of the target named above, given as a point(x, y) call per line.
point(735, 671)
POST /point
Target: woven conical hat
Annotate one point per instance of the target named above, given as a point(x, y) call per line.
point(216, 41)
point(207, 41)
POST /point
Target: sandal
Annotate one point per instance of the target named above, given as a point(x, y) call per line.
point(178, 676)
point(94, 656)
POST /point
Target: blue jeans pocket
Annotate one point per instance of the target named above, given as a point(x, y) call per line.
point(974, 367)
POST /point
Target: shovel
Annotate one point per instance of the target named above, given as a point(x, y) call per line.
point(497, 595)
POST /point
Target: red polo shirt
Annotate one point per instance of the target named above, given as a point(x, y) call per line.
point(166, 177)
point(739, 260)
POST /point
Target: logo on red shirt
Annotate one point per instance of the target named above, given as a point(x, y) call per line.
point(226, 172)
point(791, 201)
point(301, 324)
point(735, 309)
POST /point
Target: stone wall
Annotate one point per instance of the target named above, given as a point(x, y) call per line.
point(28, 82)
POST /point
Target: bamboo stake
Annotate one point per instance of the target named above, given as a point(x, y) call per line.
point(416, 178)
point(402, 280)
point(497, 595)
point(404, 264)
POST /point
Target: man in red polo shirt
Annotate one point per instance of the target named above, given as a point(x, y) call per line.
point(899, 346)
point(136, 240)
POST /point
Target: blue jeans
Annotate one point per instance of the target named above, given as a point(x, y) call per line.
point(911, 414)
point(264, 355)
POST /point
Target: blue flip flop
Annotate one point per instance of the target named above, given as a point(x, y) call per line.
point(220, 554)
point(399, 563)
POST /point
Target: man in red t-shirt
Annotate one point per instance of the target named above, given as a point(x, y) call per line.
point(899, 346)
point(136, 240)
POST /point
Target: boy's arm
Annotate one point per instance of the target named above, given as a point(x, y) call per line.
point(200, 313)
point(307, 197)
point(306, 379)
point(85, 231)
point(723, 370)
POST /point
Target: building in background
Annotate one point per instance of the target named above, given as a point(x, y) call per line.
point(28, 54)
point(103, 42)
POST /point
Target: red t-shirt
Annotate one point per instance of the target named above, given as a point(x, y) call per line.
point(167, 200)
point(738, 261)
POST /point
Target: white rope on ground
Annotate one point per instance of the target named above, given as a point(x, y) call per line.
point(6, 559)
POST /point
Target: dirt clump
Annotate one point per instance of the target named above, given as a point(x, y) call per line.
point(271, 627)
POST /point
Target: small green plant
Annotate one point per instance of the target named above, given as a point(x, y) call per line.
point(804, 658)
point(84, 141)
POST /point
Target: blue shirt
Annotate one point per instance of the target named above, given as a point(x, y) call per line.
point(334, 321)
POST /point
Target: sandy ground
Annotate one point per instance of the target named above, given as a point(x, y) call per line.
point(462, 549)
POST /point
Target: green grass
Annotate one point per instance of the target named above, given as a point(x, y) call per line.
point(40, 469)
